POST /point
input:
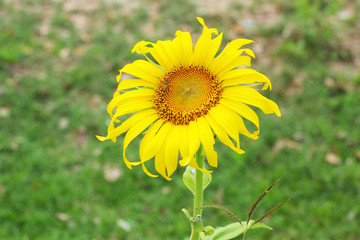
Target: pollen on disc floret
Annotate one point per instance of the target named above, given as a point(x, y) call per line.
point(185, 94)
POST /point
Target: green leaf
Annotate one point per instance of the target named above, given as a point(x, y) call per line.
point(206, 180)
point(234, 229)
point(209, 230)
point(260, 225)
point(189, 179)
point(186, 212)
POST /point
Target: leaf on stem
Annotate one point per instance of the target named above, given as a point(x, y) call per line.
point(189, 179)
point(235, 229)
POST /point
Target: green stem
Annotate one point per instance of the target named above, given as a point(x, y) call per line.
point(197, 226)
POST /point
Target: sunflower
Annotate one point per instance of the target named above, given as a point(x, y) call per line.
point(183, 97)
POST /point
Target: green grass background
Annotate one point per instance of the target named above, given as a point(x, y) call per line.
point(58, 62)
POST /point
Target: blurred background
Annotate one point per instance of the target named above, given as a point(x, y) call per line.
point(58, 63)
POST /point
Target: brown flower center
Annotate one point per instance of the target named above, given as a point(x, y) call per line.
point(186, 93)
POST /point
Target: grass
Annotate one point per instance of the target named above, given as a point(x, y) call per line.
point(58, 62)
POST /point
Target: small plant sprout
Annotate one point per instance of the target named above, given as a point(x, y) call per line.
point(248, 223)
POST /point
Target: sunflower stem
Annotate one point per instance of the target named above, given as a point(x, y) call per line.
point(196, 225)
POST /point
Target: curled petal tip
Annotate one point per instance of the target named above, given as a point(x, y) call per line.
point(101, 138)
point(201, 20)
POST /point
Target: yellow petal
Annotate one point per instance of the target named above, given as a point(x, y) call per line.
point(134, 83)
point(147, 171)
point(184, 140)
point(129, 123)
point(243, 110)
point(101, 138)
point(149, 136)
point(136, 104)
point(183, 47)
point(230, 57)
point(244, 76)
point(190, 143)
point(184, 146)
point(143, 70)
point(238, 122)
point(168, 54)
point(160, 163)
point(134, 131)
point(249, 52)
point(185, 161)
point(202, 22)
point(151, 146)
point(221, 134)
point(207, 140)
point(141, 47)
point(165, 54)
point(235, 45)
point(250, 96)
point(218, 114)
point(194, 138)
point(233, 48)
point(206, 47)
point(111, 105)
point(220, 67)
point(124, 107)
point(172, 149)
point(194, 164)
point(243, 129)
point(132, 96)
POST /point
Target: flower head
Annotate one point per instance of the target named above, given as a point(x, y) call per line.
point(186, 97)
